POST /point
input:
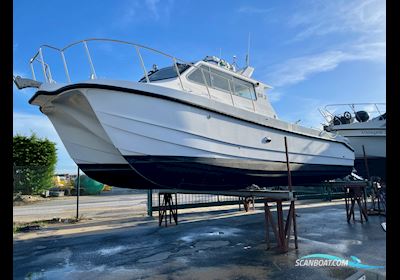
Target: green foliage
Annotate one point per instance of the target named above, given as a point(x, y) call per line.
point(34, 164)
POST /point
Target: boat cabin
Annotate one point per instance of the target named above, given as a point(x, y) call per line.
point(215, 79)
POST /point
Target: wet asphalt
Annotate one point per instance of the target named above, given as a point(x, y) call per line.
point(227, 247)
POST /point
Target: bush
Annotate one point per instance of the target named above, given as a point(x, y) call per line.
point(34, 164)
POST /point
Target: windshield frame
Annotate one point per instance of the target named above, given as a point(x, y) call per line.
point(181, 67)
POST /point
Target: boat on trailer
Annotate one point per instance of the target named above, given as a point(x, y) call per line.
point(201, 126)
point(364, 124)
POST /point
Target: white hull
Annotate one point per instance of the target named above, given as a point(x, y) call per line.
point(366, 134)
point(373, 140)
point(145, 125)
point(81, 132)
point(157, 132)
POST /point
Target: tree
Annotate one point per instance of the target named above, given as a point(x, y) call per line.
point(34, 164)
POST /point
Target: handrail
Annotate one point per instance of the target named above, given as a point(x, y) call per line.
point(46, 69)
point(353, 104)
point(175, 60)
point(370, 103)
point(115, 41)
point(93, 76)
point(328, 116)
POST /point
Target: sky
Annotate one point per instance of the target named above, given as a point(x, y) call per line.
point(312, 53)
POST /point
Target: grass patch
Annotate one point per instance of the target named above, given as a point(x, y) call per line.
point(37, 225)
point(26, 227)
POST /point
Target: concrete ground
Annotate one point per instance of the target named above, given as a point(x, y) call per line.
point(118, 241)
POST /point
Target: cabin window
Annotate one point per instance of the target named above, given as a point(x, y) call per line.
point(223, 81)
point(197, 76)
point(220, 80)
point(165, 73)
point(243, 89)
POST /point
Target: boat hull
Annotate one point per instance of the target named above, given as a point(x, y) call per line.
point(375, 154)
point(188, 147)
point(374, 146)
point(86, 141)
point(170, 143)
point(370, 143)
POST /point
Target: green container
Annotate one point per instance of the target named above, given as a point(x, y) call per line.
point(89, 186)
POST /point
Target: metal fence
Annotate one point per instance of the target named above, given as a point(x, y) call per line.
point(196, 200)
point(184, 201)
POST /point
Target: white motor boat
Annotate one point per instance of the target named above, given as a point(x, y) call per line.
point(364, 124)
point(202, 125)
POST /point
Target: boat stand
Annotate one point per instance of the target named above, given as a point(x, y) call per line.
point(356, 194)
point(282, 229)
point(247, 201)
point(378, 199)
point(378, 196)
point(167, 209)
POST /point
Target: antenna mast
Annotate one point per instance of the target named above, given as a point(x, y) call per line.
point(248, 51)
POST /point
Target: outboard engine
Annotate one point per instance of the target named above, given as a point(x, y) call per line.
point(362, 116)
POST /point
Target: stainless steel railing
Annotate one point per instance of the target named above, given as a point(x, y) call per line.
point(328, 114)
point(39, 57)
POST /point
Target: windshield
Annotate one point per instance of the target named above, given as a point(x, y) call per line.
point(165, 73)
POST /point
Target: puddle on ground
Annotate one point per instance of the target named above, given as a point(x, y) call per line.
point(210, 232)
point(112, 250)
point(342, 246)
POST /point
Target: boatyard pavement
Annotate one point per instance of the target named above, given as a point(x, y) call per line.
point(116, 240)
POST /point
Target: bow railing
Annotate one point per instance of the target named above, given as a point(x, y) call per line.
point(48, 77)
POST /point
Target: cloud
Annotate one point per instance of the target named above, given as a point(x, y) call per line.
point(152, 6)
point(274, 96)
point(364, 23)
point(136, 11)
point(298, 69)
point(128, 15)
point(319, 18)
point(27, 123)
point(306, 113)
